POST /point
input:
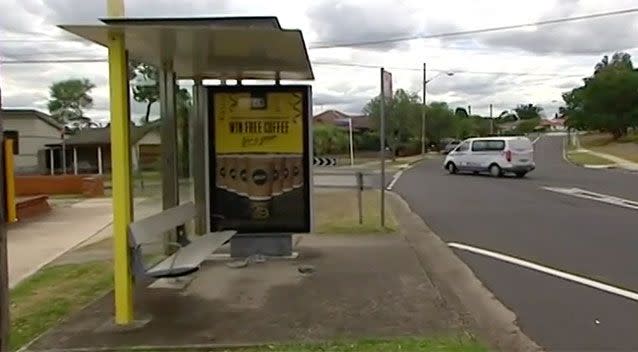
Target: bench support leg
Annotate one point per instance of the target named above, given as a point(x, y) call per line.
point(276, 245)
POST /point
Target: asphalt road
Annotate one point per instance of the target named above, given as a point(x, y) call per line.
point(518, 218)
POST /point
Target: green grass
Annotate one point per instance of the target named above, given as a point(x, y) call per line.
point(52, 294)
point(584, 158)
point(625, 147)
point(404, 345)
point(337, 212)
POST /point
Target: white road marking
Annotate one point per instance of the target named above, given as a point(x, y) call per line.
point(536, 140)
point(599, 197)
point(549, 271)
point(395, 178)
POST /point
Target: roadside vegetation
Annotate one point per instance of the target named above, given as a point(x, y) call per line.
point(52, 294)
point(338, 213)
point(582, 157)
point(625, 147)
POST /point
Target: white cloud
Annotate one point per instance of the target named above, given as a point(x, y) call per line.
point(27, 29)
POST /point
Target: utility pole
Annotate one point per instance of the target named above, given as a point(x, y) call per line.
point(4, 269)
point(491, 121)
point(382, 137)
point(425, 81)
point(469, 110)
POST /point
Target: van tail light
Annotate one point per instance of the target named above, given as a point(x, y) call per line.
point(508, 156)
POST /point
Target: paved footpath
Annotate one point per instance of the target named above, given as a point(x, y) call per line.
point(619, 162)
point(34, 243)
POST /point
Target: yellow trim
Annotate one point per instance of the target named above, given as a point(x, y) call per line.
point(115, 8)
point(10, 185)
point(121, 177)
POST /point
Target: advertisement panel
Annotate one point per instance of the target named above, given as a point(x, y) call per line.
point(259, 150)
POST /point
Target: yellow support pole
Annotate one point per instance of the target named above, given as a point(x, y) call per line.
point(121, 177)
point(10, 186)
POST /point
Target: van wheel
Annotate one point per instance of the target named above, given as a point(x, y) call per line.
point(495, 170)
point(451, 168)
point(521, 174)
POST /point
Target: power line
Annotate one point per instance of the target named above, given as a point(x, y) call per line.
point(339, 64)
point(474, 31)
point(503, 73)
point(45, 61)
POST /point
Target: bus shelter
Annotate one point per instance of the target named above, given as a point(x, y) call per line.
point(250, 148)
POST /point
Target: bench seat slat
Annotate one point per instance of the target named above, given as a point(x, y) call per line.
point(188, 259)
point(149, 229)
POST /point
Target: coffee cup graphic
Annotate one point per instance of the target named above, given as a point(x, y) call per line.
point(297, 171)
point(221, 173)
point(232, 173)
point(260, 184)
point(242, 163)
point(287, 174)
point(278, 164)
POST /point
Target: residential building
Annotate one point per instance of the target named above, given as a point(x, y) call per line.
point(32, 130)
point(360, 123)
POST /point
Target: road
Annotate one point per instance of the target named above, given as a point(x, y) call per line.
point(519, 218)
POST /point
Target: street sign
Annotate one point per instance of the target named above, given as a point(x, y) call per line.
point(387, 84)
point(324, 161)
point(260, 158)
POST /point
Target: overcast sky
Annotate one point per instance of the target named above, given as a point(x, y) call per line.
point(564, 52)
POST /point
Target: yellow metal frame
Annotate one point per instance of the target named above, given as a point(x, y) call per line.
point(10, 186)
point(121, 177)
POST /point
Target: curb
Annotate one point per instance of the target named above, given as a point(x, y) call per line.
point(458, 285)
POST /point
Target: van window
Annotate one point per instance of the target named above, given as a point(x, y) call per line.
point(521, 144)
point(463, 147)
point(488, 145)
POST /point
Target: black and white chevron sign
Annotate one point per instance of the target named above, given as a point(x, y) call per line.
point(323, 161)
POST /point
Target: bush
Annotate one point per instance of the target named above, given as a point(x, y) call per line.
point(329, 139)
point(367, 141)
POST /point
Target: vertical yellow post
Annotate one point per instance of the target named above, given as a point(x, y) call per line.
point(10, 187)
point(120, 168)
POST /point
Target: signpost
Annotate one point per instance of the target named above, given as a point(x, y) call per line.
point(4, 270)
point(260, 159)
point(386, 92)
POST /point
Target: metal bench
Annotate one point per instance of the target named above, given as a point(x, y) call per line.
point(190, 252)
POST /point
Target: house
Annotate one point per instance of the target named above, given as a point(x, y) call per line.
point(556, 124)
point(31, 130)
point(89, 149)
point(360, 123)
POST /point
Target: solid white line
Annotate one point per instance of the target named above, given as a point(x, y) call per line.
point(395, 178)
point(549, 271)
point(536, 140)
point(599, 197)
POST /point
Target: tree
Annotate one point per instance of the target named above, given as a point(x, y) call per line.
point(184, 103)
point(67, 100)
point(329, 139)
point(402, 117)
point(528, 111)
point(608, 100)
point(147, 93)
point(461, 112)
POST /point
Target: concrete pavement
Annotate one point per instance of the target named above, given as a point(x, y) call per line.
point(519, 218)
point(36, 242)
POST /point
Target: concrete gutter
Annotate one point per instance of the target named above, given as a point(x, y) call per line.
point(459, 287)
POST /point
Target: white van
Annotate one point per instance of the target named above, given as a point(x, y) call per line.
point(496, 155)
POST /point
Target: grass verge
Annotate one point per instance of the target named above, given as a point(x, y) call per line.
point(52, 294)
point(337, 212)
point(405, 345)
point(625, 147)
point(585, 158)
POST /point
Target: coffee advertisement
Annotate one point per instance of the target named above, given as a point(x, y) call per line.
point(260, 156)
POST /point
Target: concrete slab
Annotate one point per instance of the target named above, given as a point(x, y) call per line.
point(361, 287)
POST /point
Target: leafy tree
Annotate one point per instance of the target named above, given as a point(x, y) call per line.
point(528, 111)
point(148, 94)
point(608, 101)
point(329, 139)
point(527, 126)
point(461, 112)
point(402, 117)
point(68, 99)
